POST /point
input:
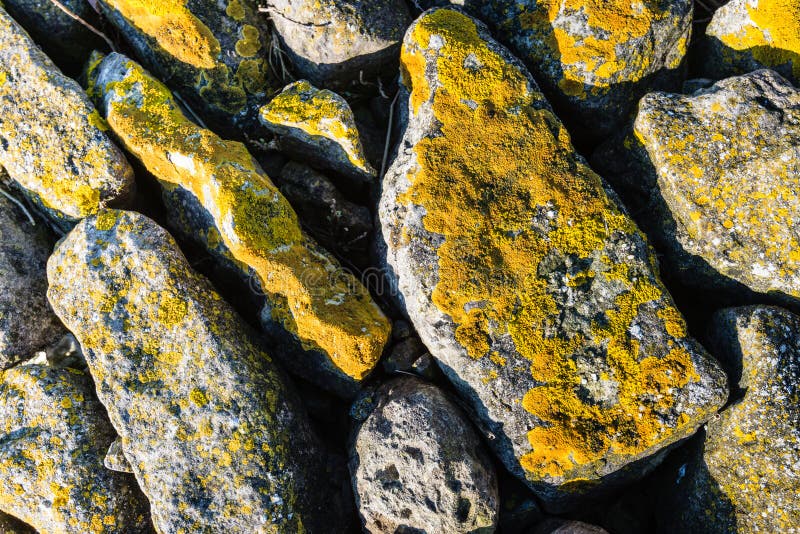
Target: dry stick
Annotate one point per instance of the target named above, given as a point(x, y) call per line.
point(19, 205)
point(388, 135)
point(66, 10)
point(191, 111)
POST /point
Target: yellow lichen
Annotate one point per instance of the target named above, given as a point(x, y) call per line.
point(235, 10)
point(482, 205)
point(250, 43)
point(325, 307)
point(175, 29)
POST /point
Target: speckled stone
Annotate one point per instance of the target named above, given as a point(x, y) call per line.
point(216, 439)
point(525, 279)
point(53, 436)
point(52, 140)
point(339, 43)
point(418, 465)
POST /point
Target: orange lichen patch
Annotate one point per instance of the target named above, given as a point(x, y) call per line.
point(773, 37)
point(325, 307)
point(175, 29)
point(483, 207)
point(609, 24)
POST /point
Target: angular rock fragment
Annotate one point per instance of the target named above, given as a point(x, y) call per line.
point(564, 526)
point(52, 140)
point(115, 458)
point(744, 477)
point(318, 126)
point(53, 436)
point(27, 324)
point(211, 52)
point(336, 43)
point(724, 164)
point(747, 35)
point(325, 315)
point(594, 59)
point(68, 42)
point(214, 436)
point(534, 290)
point(418, 465)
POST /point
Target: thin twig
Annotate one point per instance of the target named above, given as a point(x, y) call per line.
point(388, 135)
point(19, 205)
point(91, 28)
point(197, 118)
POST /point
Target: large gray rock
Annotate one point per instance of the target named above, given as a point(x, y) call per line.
point(337, 43)
point(52, 140)
point(527, 281)
point(723, 170)
point(593, 59)
point(418, 465)
point(27, 324)
point(208, 424)
point(53, 436)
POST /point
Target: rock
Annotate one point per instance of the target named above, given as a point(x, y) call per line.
point(63, 38)
point(318, 126)
point(563, 526)
point(339, 225)
point(723, 166)
point(747, 35)
point(417, 465)
point(27, 323)
point(214, 436)
point(526, 280)
point(53, 436)
point(52, 140)
point(115, 458)
point(213, 53)
point(339, 43)
point(333, 331)
point(593, 59)
point(404, 354)
point(12, 525)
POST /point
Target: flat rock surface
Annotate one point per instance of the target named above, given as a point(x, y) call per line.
point(418, 465)
point(214, 436)
point(536, 293)
point(53, 436)
point(52, 140)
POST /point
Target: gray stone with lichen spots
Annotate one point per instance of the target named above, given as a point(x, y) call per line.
point(27, 324)
point(418, 465)
point(210, 427)
point(53, 436)
point(526, 280)
point(115, 458)
point(340, 43)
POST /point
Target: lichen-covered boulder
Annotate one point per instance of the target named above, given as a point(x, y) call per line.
point(312, 303)
point(52, 140)
point(318, 126)
point(724, 164)
point(418, 465)
point(67, 41)
point(745, 476)
point(339, 43)
point(747, 35)
point(524, 277)
point(53, 436)
point(593, 59)
point(214, 436)
point(27, 323)
point(213, 53)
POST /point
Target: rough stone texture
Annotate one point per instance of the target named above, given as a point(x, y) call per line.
point(53, 436)
point(564, 526)
point(418, 465)
point(723, 168)
point(334, 330)
point(318, 126)
point(214, 436)
point(64, 39)
point(213, 53)
point(51, 137)
point(525, 279)
point(747, 35)
point(336, 223)
point(593, 59)
point(115, 458)
point(338, 43)
point(27, 323)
